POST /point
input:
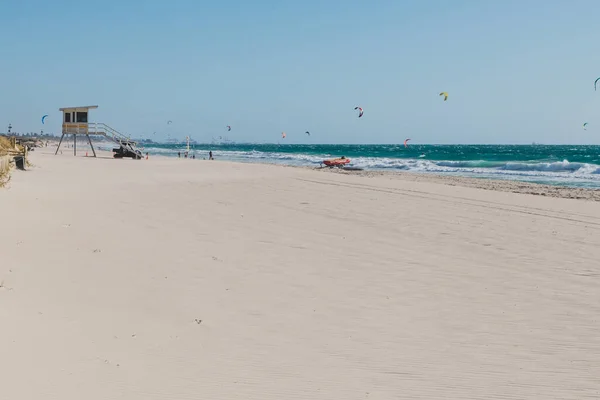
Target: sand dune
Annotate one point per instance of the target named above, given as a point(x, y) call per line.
point(190, 279)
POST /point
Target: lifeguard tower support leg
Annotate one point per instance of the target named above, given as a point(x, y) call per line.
point(91, 145)
point(59, 143)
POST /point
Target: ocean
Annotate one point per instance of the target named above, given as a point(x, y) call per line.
point(574, 165)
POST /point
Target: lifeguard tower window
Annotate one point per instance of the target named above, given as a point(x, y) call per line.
point(67, 117)
point(82, 117)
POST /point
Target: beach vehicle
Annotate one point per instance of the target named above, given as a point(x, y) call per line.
point(336, 162)
point(127, 149)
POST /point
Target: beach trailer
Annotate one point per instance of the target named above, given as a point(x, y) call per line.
point(76, 122)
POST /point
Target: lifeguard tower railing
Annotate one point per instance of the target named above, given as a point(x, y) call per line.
point(101, 129)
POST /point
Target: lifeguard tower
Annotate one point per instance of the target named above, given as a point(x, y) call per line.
point(76, 122)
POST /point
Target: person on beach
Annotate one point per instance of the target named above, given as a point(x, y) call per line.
point(210, 157)
point(178, 154)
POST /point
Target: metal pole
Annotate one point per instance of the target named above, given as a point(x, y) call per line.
point(74, 144)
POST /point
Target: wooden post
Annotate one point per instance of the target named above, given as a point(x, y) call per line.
point(59, 143)
point(91, 145)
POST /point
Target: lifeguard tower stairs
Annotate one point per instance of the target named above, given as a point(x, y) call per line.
point(75, 122)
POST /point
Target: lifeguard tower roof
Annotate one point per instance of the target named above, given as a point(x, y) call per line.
point(77, 108)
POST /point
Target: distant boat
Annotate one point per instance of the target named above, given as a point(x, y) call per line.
point(184, 142)
point(221, 140)
point(144, 141)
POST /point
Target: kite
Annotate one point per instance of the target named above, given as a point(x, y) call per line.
point(360, 111)
point(445, 94)
point(43, 118)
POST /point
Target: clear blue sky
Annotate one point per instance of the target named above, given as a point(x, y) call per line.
point(517, 71)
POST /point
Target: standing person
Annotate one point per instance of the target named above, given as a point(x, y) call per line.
point(210, 157)
point(178, 154)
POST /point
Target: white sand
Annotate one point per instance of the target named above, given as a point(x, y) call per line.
point(308, 286)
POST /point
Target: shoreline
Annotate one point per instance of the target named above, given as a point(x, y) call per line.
point(563, 172)
point(484, 183)
point(563, 182)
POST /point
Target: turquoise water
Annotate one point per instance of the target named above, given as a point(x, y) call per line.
point(558, 165)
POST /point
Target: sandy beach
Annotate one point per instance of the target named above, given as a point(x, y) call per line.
point(189, 279)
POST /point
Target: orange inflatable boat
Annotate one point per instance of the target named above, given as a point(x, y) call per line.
point(336, 162)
